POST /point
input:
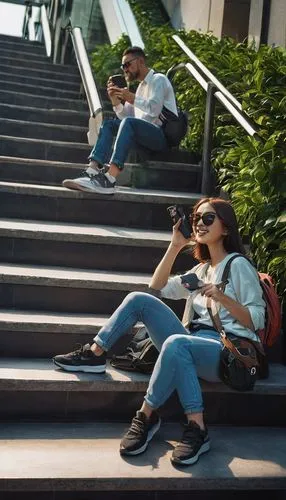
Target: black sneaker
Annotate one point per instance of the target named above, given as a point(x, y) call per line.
point(81, 360)
point(194, 442)
point(101, 184)
point(141, 431)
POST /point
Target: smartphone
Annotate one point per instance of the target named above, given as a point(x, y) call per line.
point(119, 81)
point(190, 281)
point(176, 212)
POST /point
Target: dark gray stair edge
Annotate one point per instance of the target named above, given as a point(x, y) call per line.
point(32, 72)
point(121, 194)
point(66, 86)
point(61, 100)
point(40, 374)
point(17, 228)
point(51, 111)
point(44, 63)
point(53, 126)
point(45, 322)
point(47, 142)
point(43, 87)
point(240, 459)
point(156, 165)
point(9, 52)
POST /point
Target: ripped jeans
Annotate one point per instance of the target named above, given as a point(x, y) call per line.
point(183, 358)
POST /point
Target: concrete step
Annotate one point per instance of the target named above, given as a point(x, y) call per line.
point(152, 175)
point(40, 334)
point(43, 115)
point(20, 45)
point(43, 101)
point(42, 79)
point(82, 246)
point(52, 288)
point(44, 149)
point(38, 65)
point(46, 131)
point(41, 459)
point(34, 389)
point(8, 52)
point(136, 208)
point(43, 88)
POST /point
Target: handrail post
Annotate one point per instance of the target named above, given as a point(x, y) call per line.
point(207, 186)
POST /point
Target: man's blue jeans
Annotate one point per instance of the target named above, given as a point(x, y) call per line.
point(129, 132)
point(183, 357)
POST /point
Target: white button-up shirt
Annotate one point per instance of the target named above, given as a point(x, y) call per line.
point(154, 92)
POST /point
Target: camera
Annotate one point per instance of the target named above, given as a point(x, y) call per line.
point(118, 81)
point(176, 212)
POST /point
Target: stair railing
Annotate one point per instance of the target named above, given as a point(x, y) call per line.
point(215, 90)
point(92, 95)
point(46, 30)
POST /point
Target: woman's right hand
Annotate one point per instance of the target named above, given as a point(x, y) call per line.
point(178, 240)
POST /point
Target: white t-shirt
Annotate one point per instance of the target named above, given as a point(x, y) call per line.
point(243, 286)
point(154, 92)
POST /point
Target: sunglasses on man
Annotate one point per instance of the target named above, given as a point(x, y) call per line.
point(207, 218)
point(126, 65)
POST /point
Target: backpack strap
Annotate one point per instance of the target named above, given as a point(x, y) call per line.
point(226, 270)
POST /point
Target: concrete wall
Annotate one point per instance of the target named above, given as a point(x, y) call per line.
point(277, 25)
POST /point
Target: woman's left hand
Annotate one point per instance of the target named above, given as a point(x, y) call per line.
point(212, 291)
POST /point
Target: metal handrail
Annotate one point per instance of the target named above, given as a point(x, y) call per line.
point(46, 30)
point(206, 72)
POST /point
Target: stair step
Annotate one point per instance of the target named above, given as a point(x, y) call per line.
point(41, 457)
point(36, 389)
point(37, 66)
point(40, 334)
point(46, 131)
point(52, 288)
point(77, 245)
point(43, 115)
point(10, 53)
point(44, 149)
point(43, 88)
point(43, 101)
point(21, 45)
point(141, 208)
point(36, 78)
point(87, 247)
point(152, 175)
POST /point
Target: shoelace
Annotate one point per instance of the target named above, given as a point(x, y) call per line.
point(191, 433)
point(137, 427)
point(78, 352)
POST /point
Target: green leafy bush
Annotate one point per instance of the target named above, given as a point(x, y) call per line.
point(252, 172)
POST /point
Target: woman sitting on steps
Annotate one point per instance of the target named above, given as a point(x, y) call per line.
point(190, 351)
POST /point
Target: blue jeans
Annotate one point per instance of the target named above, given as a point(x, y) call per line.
point(183, 357)
point(129, 132)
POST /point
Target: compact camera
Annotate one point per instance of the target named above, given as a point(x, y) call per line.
point(176, 212)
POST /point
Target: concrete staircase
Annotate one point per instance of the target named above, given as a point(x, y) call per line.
point(67, 260)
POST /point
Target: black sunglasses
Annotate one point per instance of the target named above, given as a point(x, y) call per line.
point(126, 65)
point(207, 218)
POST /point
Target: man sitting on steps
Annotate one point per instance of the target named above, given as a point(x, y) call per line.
point(137, 123)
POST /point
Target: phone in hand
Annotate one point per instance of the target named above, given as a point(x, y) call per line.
point(191, 281)
point(176, 212)
point(119, 81)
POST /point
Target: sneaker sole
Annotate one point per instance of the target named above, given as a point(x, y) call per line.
point(70, 184)
point(151, 434)
point(189, 461)
point(86, 369)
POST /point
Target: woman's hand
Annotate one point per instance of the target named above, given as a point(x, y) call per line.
point(212, 291)
point(178, 240)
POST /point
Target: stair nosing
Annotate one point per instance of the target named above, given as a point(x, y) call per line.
point(48, 125)
point(39, 96)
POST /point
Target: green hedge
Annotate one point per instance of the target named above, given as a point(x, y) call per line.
point(251, 172)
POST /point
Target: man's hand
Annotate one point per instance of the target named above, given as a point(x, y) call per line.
point(125, 95)
point(112, 93)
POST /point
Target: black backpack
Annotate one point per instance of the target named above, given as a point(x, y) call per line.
point(139, 356)
point(174, 127)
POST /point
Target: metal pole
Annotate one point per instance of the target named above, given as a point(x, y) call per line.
point(207, 184)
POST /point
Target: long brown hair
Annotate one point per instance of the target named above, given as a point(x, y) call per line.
point(232, 241)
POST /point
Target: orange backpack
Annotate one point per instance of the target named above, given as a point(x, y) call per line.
point(273, 317)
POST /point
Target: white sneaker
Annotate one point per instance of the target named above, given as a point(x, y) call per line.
point(93, 184)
